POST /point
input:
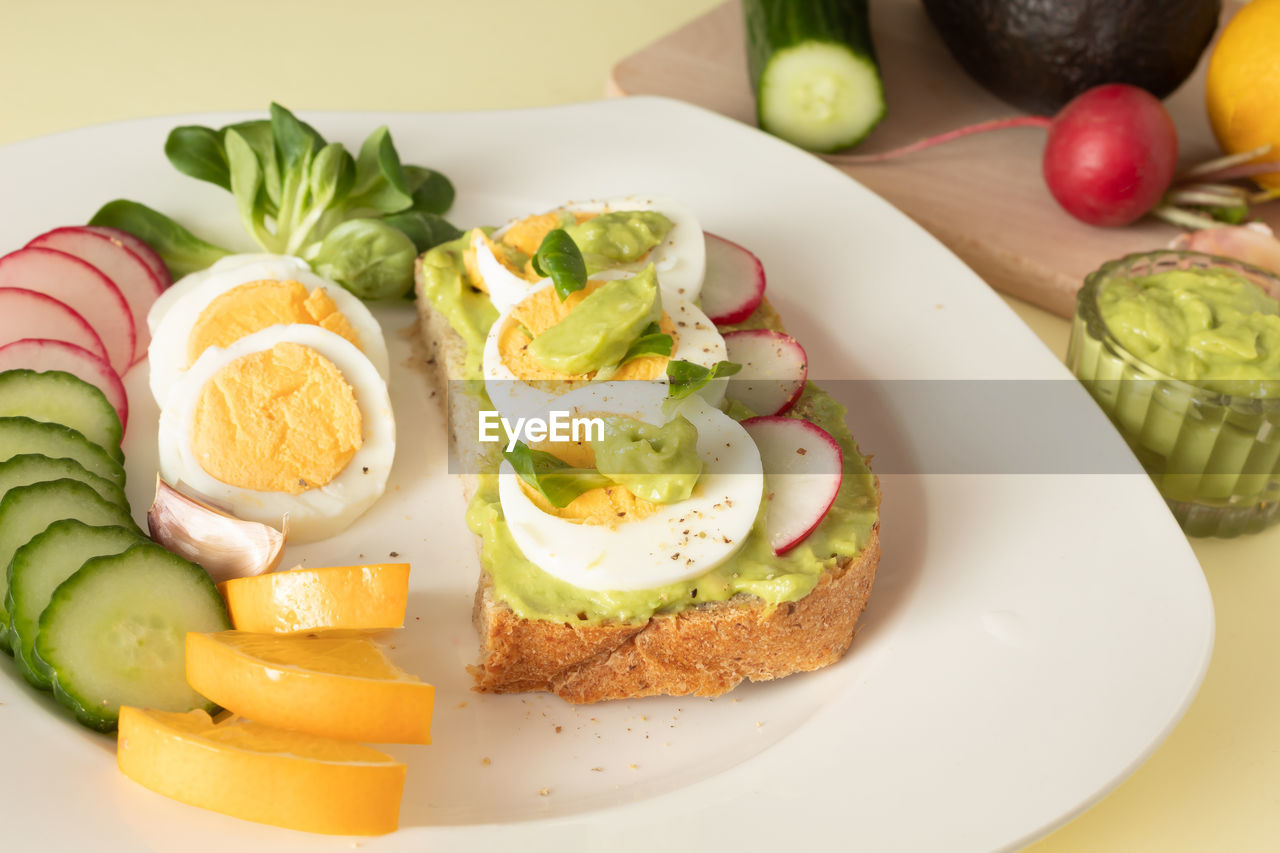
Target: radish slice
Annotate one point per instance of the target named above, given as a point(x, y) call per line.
point(41, 354)
point(803, 468)
point(26, 314)
point(81, 287)
point(774, 369)
point(140, 248)
point(734, 284)
point(117, 262)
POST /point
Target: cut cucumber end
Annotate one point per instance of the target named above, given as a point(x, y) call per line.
point(820, 96)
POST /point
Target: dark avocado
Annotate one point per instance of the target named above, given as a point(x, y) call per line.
point(1039, 54)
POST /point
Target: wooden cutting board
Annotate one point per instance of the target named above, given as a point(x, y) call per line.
point(982, 196)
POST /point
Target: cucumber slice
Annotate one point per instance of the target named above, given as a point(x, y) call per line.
point(115, 633)
point(37, 569)
point(24, 435)
point(814, 71)
point(27, 510)
point(60, 398)
point(28, 468)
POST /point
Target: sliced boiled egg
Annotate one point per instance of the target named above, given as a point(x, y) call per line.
point(681, 258)
point(519, 386)
point(258, 265)
point(505, 286)
point(291, 420)
point(646, 545)
point(241, 299)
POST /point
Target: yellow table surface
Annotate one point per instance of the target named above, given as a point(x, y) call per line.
point(1213, 785)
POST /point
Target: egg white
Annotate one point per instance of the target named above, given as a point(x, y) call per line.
point(505, 288)
point(167, 353)
point(264, 266)
point(680, 260)
point(314, 514)
point(697, 341)
point(680, 540)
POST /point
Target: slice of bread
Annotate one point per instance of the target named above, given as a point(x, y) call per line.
point(704, 650)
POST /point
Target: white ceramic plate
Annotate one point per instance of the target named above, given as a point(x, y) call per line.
point(1030, 641)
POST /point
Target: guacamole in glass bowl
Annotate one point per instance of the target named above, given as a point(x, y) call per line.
point(1182, 351)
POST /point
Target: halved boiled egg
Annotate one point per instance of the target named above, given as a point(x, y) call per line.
point(643, 545)
point(680, 259)
point(289, 420)
point(518, 386)
point(227, 304)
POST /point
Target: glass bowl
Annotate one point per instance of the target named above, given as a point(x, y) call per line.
point(1215, 457)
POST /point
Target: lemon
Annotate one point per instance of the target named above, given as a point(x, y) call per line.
point(258, 773)
point(333, 686)
point(364, 598)
point(1242, 89)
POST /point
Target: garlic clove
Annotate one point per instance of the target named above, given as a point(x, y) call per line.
point(225, 546)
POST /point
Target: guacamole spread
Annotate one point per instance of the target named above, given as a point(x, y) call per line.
point(469, 312)
point(1209, 327)
point(601, 328)
point(619, 237)
point(655, 463)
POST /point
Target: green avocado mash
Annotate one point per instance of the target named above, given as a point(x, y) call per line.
point(1207, 435)
point(655, 463)
point(1210, 328)
point(618, 237)
point(468, 310)
point(601, 328)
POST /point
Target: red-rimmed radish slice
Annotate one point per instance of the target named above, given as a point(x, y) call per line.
point(140, 248)
point(28, 314)
point(774, 369)
point(734, 283)
point(81, 287)
point(803, 468)
point(42, 354)
point(137, 283)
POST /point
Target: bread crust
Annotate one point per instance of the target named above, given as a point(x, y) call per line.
point(704, 650)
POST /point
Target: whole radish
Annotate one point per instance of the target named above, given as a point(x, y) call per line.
point(1110, 159)
point(1111, 154)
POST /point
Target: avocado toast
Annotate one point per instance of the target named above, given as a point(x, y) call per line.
point(754, 615)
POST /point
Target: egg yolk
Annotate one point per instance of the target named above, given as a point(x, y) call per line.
point(254, 306)
point(280, 420)
point(524, 237)
point(542, 310)
point(527, 234)
point(609, 506)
